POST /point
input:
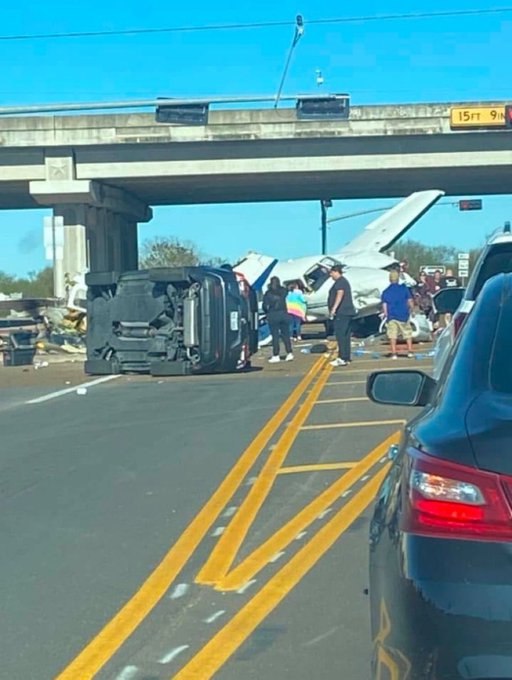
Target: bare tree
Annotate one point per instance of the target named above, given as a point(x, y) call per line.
point(164, 251)
point(419, 255)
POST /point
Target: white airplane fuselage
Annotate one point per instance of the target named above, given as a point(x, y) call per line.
point(366, 267)
point(366, 283)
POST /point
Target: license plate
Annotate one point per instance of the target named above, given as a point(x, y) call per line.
point(234, 322)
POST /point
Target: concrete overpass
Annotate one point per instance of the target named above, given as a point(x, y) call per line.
point(102, 172)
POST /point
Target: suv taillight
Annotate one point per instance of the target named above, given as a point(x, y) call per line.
point(448, 499)
point(458, 321)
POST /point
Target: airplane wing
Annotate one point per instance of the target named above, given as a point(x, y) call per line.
point(383, 232)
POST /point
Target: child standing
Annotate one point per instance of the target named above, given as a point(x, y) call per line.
point(296, 306)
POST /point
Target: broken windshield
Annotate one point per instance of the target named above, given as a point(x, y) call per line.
point(319, 273)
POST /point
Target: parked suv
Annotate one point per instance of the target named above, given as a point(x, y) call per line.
point(495, 258)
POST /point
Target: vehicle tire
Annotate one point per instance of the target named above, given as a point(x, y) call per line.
point(101, 367)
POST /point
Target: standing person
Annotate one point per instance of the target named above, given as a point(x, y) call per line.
point(436, 287)
point(296, 306)
point(437, 280)
point(449, 280)
point(404, 270)
point(423, 294)
point(342, 310)
point(274, 306)
point(398, 306)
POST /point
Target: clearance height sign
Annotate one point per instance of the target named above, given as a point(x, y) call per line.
point(480, 117)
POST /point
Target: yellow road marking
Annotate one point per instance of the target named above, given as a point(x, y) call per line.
point(102, 647)
point(220, 648)
point(222, 556)
point(315, 467)
point(387, 665)
point(259, 558)
point(341, 401)
point(362, 423)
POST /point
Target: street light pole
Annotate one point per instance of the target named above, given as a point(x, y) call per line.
point(299, 32)
point(324, 204)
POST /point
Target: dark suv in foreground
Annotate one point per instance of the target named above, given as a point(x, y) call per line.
point(441, 533)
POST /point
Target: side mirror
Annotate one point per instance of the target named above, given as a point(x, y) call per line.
point(400, 388)
point(447, 301)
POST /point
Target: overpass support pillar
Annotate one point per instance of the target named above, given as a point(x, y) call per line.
point(109, 238)
point(100, 224)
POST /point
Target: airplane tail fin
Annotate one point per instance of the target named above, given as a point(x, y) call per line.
point(256, 268)
point(383, 232)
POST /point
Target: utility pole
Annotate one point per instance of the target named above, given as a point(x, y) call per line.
point(324, 204)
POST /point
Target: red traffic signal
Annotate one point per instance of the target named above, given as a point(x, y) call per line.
point(472, 204)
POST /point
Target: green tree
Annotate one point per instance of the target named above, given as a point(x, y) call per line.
point(168, 252)
point(35, 284)
point(418, 255)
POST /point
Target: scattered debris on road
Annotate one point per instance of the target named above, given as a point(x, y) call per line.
point(41, 331)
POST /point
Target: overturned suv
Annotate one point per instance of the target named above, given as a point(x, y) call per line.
point(170, 321)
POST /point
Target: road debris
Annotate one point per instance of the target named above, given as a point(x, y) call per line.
point(43, 330)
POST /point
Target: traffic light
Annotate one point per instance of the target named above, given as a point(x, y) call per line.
point(471, 204)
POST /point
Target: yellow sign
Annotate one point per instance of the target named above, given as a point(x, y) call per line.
point(477, 116)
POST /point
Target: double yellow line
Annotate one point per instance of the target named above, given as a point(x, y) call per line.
point(260, 557)
point(105, 644)
point(224, 553)
point(222, 646)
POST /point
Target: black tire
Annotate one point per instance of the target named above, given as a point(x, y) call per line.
point(320, 348)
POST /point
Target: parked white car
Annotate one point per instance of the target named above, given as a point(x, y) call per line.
point(495, 258)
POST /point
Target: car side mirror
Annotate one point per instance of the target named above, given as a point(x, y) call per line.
point(447, 301)
point(400, 388)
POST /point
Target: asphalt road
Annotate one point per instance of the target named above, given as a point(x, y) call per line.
point(191, 528)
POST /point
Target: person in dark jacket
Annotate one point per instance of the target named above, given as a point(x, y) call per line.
point(274, 306)
point(342, 312)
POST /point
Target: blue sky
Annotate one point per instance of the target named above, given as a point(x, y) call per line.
point(462, 59)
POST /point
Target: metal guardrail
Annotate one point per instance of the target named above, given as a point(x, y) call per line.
point(153, 103)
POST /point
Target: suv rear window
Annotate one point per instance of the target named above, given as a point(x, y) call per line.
point(497, 261)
